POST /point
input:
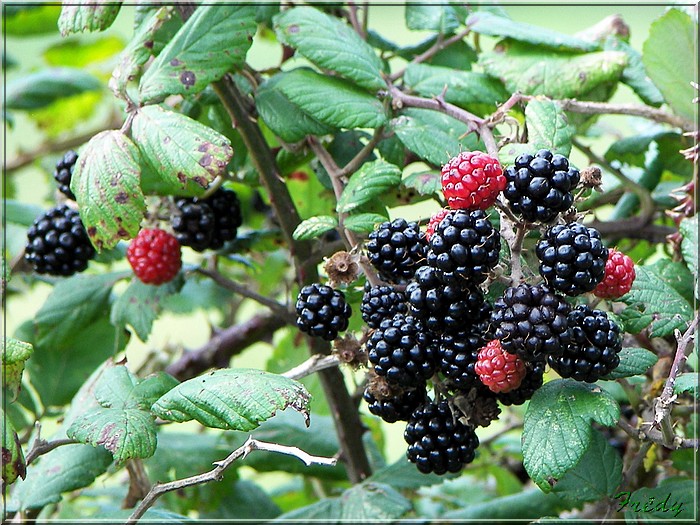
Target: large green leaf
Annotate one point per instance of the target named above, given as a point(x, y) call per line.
point(183, 156)
point(674, 35)
point(363, 222)
point(634, 75)
point(14, 355)
point(434, 17)
point(214, 41)
point(367, 183)
point(557, 429)
point(87, 15)
point(105, 183)
point(633, 361)
point(330, 44)
point(476, 91)
point(351, 107)
point(314, 227)
point(46, 86)
point(77, 53)
point(235, 399)
point(486, 23)
point(525, 505)
point(535, 71)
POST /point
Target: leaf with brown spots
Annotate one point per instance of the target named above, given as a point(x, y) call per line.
point(106, 186)
point(214, 41)
point(179, 155)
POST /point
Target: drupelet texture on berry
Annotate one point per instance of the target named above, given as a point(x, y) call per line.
point(435, 219)
point(396, 408)
point(540, 186)
point(531, 321)
point(499, 370)
point(472, 180)
point(381, 302)
point(64, 173)
point(464, 248)
point(572, 258)
point(154, 256)
point(595, 344)
point(322, 311)
point(534, 377)
point(396, 249)
point(437, 441)
point(57, 243)
point(618, 278)
point(456, 356)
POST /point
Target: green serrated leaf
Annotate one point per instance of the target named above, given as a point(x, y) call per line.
point(126, 433)
point(151, 388)
point(87, 15)
point(633, 149)
point(40, 89)
point(330, 44)
point(476, 91)
point(367, 183)
point(363, 222)
point(13, 463)
point(433, 136)
point(424, 182)
point(314, 226)
point(633, 361)
point(105, 183)
point(596, 477)
point(548, 127)
point(183, 156)
point(14, 355)
point(351, 107)
point(652, 302)
point(557, 429)
point(441, 18)
point(140, 304)
point(213, 41)
point(687, 382)
point(232, 399)
point(486, 23)
point(634, 75)
point(534, 71)
point(673, 34)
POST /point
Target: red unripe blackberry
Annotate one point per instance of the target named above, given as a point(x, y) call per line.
point(397, 408)
point(434, 221)
point(402, 351)
point(464, 247)
point(593, 351)
point(572, 258)
point(618, 278)
point(64, 172)
point(57, 243)
point(322, 311)
point(540, 186)
point(531, 321)
point(396, 249)
point(437, 441)
point(472, 180)
point(499, 370)
point(154, 256)
point(381, 302)
point(532, 381)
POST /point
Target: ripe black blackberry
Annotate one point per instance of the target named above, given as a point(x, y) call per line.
point(572, 258)
point(437, 441)
point(442, 307)
point(531, 382)
point(396, 249)
point(64, 172)
point(593, 351)
point(540, 186)
point(205, 224)
point(322, 311)
point(396, 408)
point(402, 351)
point(456, 355)
point(530, 321)
point(381, 302)
point(57, 243)
point(464, 247)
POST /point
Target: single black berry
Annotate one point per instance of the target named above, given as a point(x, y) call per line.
point(530, 321)
point(396, 249)
point(540, 186)
point(464, 247)
point(322, 311)
point(57, 243)
point(572, 258)
point(381, 302)
point(402, 351)
point(396, 408)
point(437, 441)
point(593, 351)
point(531, 382)
point(64, 173)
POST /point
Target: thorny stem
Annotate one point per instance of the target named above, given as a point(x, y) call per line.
point(216, 474)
